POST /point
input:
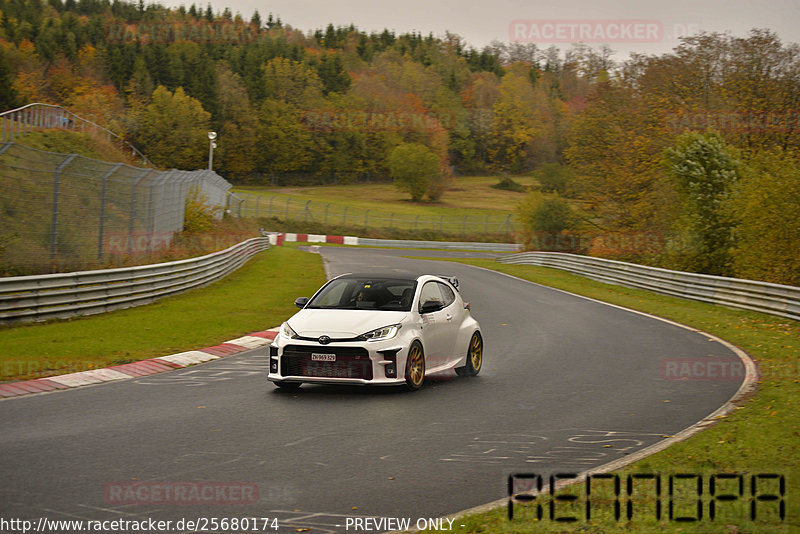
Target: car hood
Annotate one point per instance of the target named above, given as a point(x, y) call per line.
point(342, 323)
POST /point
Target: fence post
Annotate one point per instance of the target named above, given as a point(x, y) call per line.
point(270, 205)
point(151, 214)
point(328, 205)
point(344, 217)
point(286, 217)
point(54, 218)
point(505, 225)
point(103, 189)
point(306, 211)
point(133, 207)
point(391, 220)
point(258, 201)
point(366, 215)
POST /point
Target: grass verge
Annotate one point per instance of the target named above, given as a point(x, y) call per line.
point(761, 436)
point(258, 296)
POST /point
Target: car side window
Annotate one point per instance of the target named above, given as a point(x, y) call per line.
point(430, 292)
point(447, 294)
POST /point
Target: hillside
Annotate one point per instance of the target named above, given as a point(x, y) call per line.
point(69, 142)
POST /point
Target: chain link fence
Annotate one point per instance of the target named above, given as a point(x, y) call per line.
point(327, 214)
point(16, 123)
point(65, 212)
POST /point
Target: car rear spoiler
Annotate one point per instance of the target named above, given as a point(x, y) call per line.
point(450, 278)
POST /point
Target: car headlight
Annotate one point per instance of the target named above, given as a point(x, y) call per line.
point(286, 331)
point(379, 334)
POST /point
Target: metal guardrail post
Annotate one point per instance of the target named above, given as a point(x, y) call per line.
point(54, 217)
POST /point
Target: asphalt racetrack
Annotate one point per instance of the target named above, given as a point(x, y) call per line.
point(568, 384)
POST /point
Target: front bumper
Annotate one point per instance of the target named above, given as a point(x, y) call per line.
point(359, 363)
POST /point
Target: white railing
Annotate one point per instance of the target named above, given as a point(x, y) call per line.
point(15, 123)
point(50, 296)
point(775, 299)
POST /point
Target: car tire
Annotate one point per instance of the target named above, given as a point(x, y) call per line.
point(288, 386)
point(415, 366)
point(474, 357)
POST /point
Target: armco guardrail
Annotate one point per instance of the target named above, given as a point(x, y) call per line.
point(50, 296)
point(458, 245)
point(775, 299)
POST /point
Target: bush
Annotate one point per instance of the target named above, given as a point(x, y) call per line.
point(413, 167)
point(199, 216)
point(545, 214)
point(553, 178)
point(507, 183)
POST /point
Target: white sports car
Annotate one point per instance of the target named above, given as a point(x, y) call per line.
point(377, 329)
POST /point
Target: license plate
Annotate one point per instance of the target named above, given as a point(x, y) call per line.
point(323, 357)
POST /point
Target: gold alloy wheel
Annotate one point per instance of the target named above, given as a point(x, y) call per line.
point(476, 352)
point(415, 364)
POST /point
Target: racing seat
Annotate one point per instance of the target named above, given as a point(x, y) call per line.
point(405, 300)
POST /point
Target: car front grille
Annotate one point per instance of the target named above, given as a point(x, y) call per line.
point(350, 362)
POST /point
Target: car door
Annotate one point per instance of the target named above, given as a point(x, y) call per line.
point(433, 324)
point(452, 321)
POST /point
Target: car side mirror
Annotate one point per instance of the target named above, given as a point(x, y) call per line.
point(301, 302)
point(431, 306)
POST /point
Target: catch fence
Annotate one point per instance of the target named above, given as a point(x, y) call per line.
point(16, 123)
point(64, 211)
point(287, 208)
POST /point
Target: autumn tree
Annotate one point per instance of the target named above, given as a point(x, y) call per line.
point(514, 124)
point(413, 166)
point(174, 130)
point(765, 206)
point(238, 135)
point(704, 170)
point(284, 143)
point(292, 81)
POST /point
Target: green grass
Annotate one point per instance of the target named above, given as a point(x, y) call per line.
point(761, 436)
point(465, 195)
point(471, 206)
point(258, 296)
point(68, 142)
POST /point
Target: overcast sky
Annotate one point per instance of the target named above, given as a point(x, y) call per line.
point(480, 22)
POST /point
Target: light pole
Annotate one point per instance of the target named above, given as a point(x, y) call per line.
point(211, 146)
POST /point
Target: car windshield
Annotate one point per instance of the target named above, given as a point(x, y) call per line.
point(365, 294)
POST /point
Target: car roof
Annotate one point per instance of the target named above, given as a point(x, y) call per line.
point(452, 280)
point(383, 276)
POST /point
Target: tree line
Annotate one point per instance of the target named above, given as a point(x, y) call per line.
point(698, 145)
